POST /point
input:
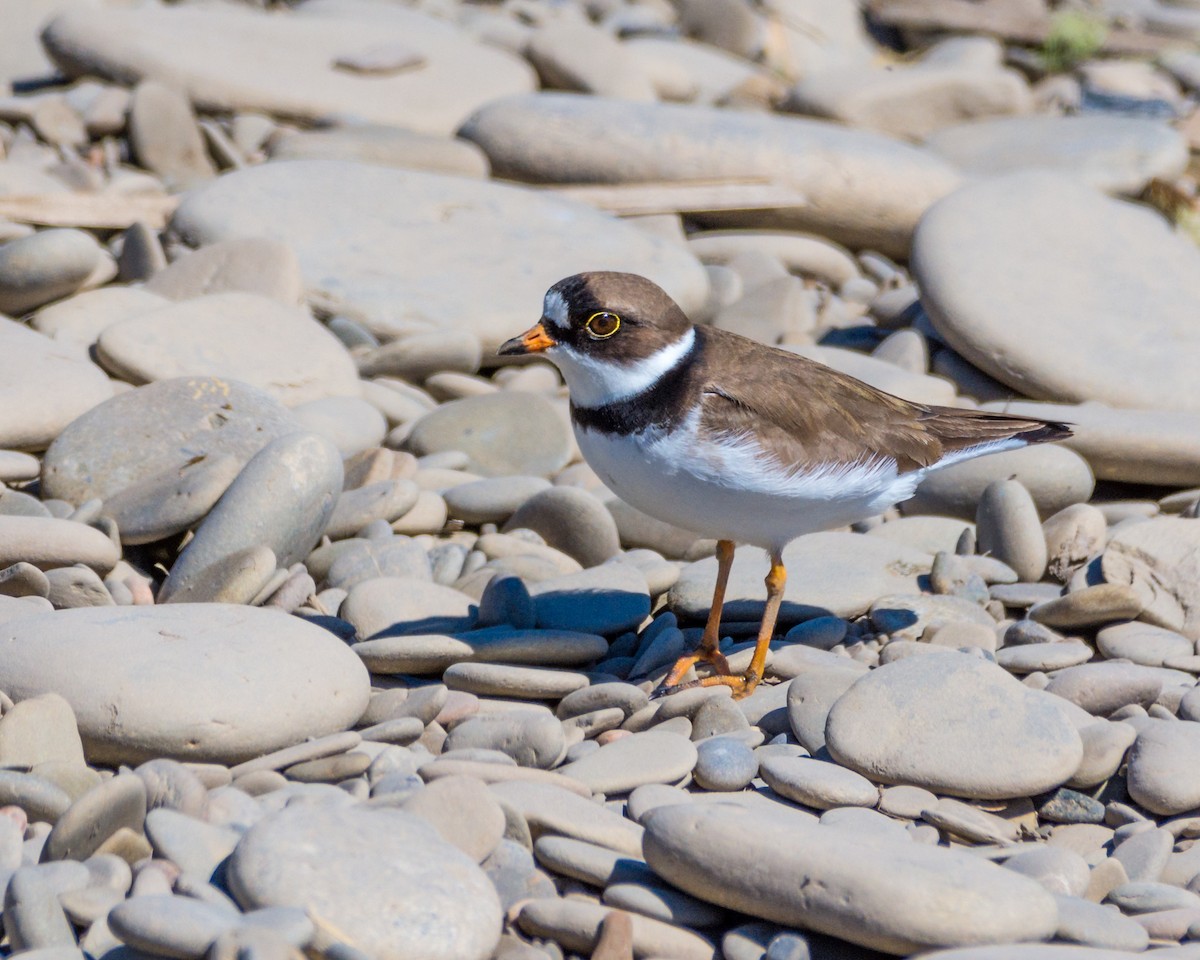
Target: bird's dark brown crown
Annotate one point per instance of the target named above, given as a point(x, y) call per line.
point(648, 318)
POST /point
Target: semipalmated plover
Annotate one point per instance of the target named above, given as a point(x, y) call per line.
point(737, 440)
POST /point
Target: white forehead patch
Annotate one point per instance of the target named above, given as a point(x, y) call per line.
point(554, 309)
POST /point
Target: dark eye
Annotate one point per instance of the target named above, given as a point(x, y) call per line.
point(601, 326)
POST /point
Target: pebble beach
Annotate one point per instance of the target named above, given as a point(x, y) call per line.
point(318, 637)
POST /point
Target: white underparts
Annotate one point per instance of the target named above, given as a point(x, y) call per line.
point(594, 381)
point(730, 487)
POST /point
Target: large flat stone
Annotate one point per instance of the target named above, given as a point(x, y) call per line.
point(389, 245)
point(1106, 304)
point(863, 189)
point(203, 682)
point(232, 59)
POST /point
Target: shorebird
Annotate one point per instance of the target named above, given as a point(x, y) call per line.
point(737, 440)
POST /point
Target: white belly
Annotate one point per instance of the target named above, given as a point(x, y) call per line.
point(730, 491)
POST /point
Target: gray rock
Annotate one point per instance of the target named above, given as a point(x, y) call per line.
point(33, 918)
point(115, 804)
point(1054, 476)
point(351, 423)
point(828, 573)
point(383, 874)
point(533, 738)
point(1090, 606)
point(1009, 529)
point(243, 336)
point(216, 696)
point(1159, 558)
point(1142, 643)
point(45, 266)
point(1112, 153)
point(724, 763)
point(43, 387)
point(383, 145)
point(1014, 226)
point(463, 811)
point(170, 926)
point(627, 763)
point(502, 434)
point(311, 86)
point(551, 809)
point(493, 500)
point(810, 697)
point(815, 783)
point(875, 892)
point(405, 605)
point(1101, 688)
point(715, 143)
point(165, 137)
point(48, 543)
point(1027, 746)
point(1162, 767)
point(576, 925)
point(40, 730)
point(247, 264)
point(282, 499)
point(570, 520)
point(518, 683)
point(607, 599)
point(404, 244)
point(1092, 925)
point(91, 457)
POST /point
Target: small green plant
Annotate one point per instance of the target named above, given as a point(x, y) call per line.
point(1074, 37)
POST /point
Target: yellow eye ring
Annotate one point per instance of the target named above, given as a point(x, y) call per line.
point(602, 325)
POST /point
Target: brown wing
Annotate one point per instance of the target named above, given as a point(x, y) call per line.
point(805, 411)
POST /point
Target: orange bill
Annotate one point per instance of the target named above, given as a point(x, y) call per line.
point(533, 340)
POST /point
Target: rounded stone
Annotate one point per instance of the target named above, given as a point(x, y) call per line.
point(1113, 153)
point(1063, 335)
point(533, 738)
point(1161, 559)
point(314, 83)
point(168, 925)
point(724, 763)
point(1100, 688)
point(350, 422)
point(891, 895)
point(607, 599)
point(1009, 529)
point(282, 500)
point(817, 783)
point(828, 573)
point(48, 543)
point(1164, 767)
point(383, 876)
point(570, 520)
point(463, 811)
point(230, 682)
point(381, 246)
point(501, 434)
point(917, 721)
point(45, 266)
point(493, 500)
point(506, 680)
point(862, 189)
point(1142, 643)
point(620, 766)
point(406, 605)
point(171, 424)
point(1054, 476)
point(44, 386)
point(1031, 657)
point(243, 336)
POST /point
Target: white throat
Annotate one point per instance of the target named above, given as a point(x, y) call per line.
point(594, 382)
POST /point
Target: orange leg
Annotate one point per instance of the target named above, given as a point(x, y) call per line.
point(743, 685)
point(710, 643)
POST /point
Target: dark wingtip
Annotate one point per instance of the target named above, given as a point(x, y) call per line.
point(1047, 431)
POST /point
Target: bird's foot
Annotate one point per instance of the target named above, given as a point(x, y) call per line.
point(742, 684)
point(708, 652)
